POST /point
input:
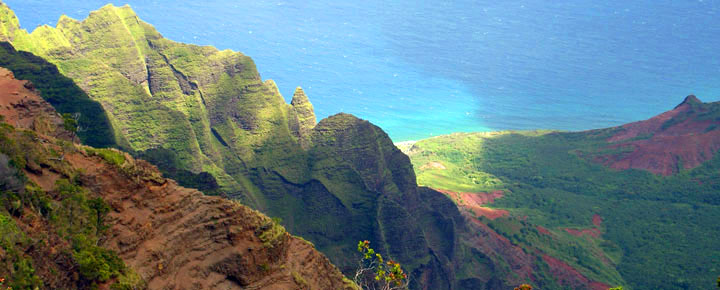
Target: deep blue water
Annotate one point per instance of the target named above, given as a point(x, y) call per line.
point(424, 68)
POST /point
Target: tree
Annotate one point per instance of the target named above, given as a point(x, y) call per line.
point(616, 288)
point(524, 287)
point(71, 123)
point(374, 273)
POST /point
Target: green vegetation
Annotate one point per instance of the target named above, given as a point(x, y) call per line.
point(271, 233)
point(658, 232)
point(375, 273)
point(68, 219)
point(62, 93)
point(112, 156)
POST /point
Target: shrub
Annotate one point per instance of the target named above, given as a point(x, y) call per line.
point(375, 273)
point(95, 263)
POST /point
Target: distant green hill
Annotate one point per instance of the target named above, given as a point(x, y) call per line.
point(657, 232)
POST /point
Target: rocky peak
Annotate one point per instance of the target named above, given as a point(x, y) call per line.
point(305, 115)
point(171, 237)
point(689, 100)
point(679, 139)
point(8, 23)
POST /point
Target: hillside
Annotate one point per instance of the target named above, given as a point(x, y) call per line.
point(74, 216)
point(205, 117)
point(638, 203)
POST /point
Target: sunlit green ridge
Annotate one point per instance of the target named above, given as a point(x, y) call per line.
point(206, 117)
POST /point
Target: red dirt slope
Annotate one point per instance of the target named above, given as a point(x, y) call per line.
point(593, 232)
point(682, 138)
point(22, 107)
point(475, 201)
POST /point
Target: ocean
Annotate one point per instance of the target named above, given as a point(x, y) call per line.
point(425, 68)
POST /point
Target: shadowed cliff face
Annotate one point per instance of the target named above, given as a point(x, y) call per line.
point(199, 110)
point(208, 107)
point(680, 139)
point(172, 237)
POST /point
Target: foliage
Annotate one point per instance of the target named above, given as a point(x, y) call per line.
point(129, 280)
point(616, 288)
point(658, 232)
point(82, 219)
point(114, 157)
point(61, 92)
point(95, 263)
point(375, 273)
point(524, 287)
point(271, 232)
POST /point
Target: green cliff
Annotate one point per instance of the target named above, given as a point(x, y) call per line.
point(206, 118)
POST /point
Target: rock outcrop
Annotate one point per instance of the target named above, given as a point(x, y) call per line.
point(171, 237)
point(198, 109)
point(305, 116)
point(22, 107)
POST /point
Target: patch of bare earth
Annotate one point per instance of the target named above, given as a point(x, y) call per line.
point(475, 202)
point(661, 149)
point(433, 165)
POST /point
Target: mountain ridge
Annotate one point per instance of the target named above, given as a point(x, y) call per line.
point(167, 236)
point(335, 184)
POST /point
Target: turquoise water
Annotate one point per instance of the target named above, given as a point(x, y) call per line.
point(424, 68)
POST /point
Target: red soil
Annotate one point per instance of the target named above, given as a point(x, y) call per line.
point(544, 231)
point(496, 246)
point(686, 142)
point(594, 232)
point(568, 276)
point(475, 201)
point(597, 220)
point(22, 107)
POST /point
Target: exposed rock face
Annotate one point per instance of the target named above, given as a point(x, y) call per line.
point(334, 183)
point(682, 138)
point(173, 237)
point(22, 107)
point(305, 115)
point(178, 238)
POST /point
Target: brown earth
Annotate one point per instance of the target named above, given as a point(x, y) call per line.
point(433, 165)
point(674, 140)
point(178, 238)
point(22, 107)
point(173, 237)
point(543, 230)
point(496, 246)
point(567, 275)
point(593, 232)
point(475, 201)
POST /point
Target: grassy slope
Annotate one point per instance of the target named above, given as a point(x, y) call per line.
point(666, 227)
